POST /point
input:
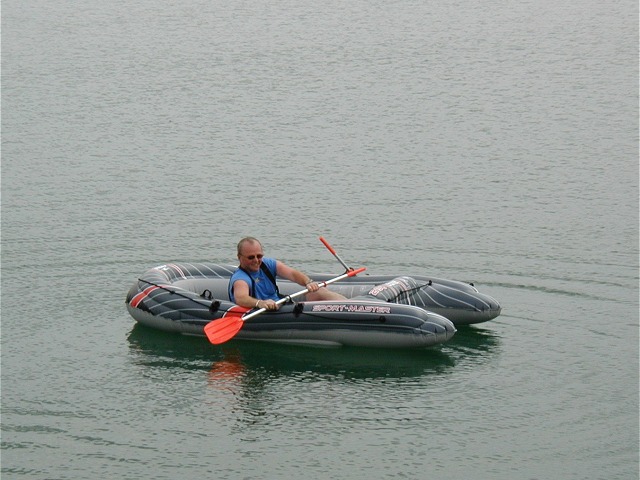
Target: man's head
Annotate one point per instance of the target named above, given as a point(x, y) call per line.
point(250, 253)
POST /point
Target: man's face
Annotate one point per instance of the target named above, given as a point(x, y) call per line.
point(251, 256)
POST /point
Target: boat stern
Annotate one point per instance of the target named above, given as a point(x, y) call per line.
point(439, 328)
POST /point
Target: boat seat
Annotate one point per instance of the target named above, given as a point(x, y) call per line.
point(396, 290)
point(217, 286)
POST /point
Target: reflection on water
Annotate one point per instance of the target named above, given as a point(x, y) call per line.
point(247, 360)
point(474, 341)
point(254, 387)
point(472, 347)
point(161, 349)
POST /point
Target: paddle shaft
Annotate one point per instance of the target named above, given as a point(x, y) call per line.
point(330, 248)
point(225, 328)
point(351, 273)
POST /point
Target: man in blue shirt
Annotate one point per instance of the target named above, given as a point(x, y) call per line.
point(253, 284)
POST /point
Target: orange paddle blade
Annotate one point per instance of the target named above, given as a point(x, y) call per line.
point(223, 329)
point(326, 244)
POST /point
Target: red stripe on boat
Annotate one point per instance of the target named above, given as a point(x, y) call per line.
point(135, 301)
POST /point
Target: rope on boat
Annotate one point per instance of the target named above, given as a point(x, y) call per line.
point(213, 306)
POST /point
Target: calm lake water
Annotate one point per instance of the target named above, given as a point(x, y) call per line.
point(489, 142)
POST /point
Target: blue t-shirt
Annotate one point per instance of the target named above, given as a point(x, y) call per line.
point(260, 286)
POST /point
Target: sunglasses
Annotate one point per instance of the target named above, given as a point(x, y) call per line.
point(251, 257)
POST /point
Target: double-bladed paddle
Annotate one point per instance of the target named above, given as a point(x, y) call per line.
point(225, 328)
